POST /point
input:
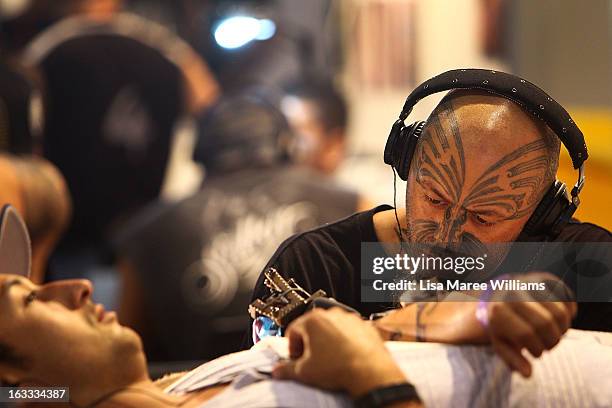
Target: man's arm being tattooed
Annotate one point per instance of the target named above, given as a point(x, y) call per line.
point(409, 323)
point(444, 322)
point(421, 325)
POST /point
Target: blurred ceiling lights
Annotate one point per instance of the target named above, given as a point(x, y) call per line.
point(237, 31)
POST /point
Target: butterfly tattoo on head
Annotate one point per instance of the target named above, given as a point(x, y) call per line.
point(510, 188)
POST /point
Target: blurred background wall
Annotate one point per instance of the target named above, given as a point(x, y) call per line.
point(566, 48)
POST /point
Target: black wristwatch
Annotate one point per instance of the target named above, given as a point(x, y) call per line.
point(391, 394)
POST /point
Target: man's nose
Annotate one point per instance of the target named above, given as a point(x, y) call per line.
point(451, 226)
point(73, 293)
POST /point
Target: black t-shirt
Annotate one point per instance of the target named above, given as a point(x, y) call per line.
point(199, 259)
point(329, 258)
point(112, 104)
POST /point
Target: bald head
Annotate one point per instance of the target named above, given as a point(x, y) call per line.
point(480, 169)
point(492, 126)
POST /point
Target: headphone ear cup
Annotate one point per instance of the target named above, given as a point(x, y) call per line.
point(391, 146)
point(549, 211)
point(409, 138)
point(400, 152)
point(401, 145)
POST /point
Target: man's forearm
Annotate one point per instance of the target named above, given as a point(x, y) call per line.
point(445, 322)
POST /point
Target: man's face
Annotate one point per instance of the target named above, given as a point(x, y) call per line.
point(319, 148)
point(63, 338)
point(477, 175)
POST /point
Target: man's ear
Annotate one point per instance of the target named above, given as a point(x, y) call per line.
point(15, 250)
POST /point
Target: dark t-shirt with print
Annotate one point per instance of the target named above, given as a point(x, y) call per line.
point(329, 258)
point(198, 260)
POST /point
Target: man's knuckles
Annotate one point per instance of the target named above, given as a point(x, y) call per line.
point(524, 336)
point(546, 325)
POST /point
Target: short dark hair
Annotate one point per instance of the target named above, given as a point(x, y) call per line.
point(242, 130)
point(329, 102)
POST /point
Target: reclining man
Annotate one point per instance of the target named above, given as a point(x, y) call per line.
point(53, 335)
point(479, 170)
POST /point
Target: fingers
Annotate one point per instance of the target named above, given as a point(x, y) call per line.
point(296, 336)
point(549, 320)
point(536, 326)
point(508, 326)
point(542, 322)
point(299, 349)
point(563, 312)
point(573, 306)
point(512, 357)
point(285, 371)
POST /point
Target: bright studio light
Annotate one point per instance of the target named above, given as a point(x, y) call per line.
point(267, 28)
point(237, 31)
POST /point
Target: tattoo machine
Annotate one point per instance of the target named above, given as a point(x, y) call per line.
point(287, 301)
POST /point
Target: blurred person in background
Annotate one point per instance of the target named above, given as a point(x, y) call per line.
point(201, 88)
point(116, 86)
point(38, 192)
point(24, 20)
point(189, 267)
point(318, 114)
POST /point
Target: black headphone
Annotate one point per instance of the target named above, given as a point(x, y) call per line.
point(555, 209)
